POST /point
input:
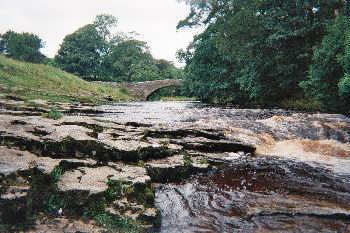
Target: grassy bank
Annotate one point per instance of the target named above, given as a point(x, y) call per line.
point(33, 81)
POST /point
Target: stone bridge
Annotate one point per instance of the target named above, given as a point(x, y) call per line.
point(142, 90)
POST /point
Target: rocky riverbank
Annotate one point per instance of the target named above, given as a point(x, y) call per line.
point(131, 167)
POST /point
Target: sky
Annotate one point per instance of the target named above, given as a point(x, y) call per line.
point(52, 20)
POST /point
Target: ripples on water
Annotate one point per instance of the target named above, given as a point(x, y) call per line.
point(152, 112)
point(179, 111)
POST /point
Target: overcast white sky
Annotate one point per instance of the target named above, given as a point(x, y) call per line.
point(154, 20)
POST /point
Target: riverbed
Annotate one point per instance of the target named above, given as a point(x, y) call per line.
point(212, 169)
point(298, 181)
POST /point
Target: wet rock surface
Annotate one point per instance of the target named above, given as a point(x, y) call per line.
point(172, 167)
point(257, 195)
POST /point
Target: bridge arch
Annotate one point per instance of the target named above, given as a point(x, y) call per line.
point(154, 90)
point(142, 90)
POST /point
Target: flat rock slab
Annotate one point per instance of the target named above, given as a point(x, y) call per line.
point(13, 161)
point(176, 162)
point(175, 168)
point(14, 193)
point(173, 143)
point(94, 180)
point(79, 137)
point(38, 128)
point(59, 225)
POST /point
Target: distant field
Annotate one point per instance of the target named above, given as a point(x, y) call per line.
point(33, 81)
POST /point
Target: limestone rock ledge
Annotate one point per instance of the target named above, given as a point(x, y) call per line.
point(87, 174)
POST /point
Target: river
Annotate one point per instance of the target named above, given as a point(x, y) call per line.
point(201, 168)
point(298, 180)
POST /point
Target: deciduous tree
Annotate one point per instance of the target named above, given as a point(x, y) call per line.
point(22, 46)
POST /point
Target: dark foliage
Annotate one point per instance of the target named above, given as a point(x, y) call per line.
point(22, 46)
point(258, 52)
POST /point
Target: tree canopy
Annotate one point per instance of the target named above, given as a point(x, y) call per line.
point(80, 53)
point(22, 46)
point(255, 51)
point(98, 52)
point(328, 81)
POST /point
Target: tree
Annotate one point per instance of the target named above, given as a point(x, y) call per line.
point(105, 24)
point(167, 70)
point(344, 83)
point(125, 57)
point(328, 80)
point(22, 46)
point(84, 52)
point(131, 61)
point(266, 46)
point(97, 52)
point(80, 53)
point(209, 75)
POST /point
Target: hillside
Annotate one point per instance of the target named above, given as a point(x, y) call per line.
point(33, 81)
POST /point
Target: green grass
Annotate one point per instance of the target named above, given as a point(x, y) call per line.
point(54, 114)
point(33, 81)
point(115, 224)
point(56, 174)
